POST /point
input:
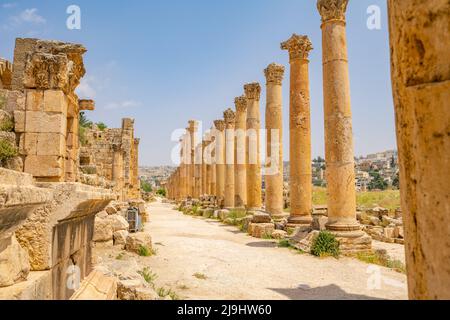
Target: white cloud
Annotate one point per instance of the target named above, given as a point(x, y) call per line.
point(86, 89)
point(123, 104)
point(29, 16)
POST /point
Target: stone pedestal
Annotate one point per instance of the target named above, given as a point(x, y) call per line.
point(253, 93)
point(338, 126)
point(274, 133)
point(421, 86)
point(220, 161)
point(230, 119)
point(240, 170)
point(300, 178)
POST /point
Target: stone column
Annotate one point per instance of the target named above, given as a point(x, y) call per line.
point(182, 168)
point(253, 93)
point(274, 141)
point(230, 119)
point(208, 165)
point(198, 167)
point(204, 171)
point(213, 164)
point(220, 161)
point(193, 127)
point(420, 66)
point(240, 172)
point(338, 129)
point(300, 179)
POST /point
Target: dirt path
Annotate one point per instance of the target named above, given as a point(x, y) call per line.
point(237, 266)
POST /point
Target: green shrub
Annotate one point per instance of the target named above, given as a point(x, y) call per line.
point(101, 126)
point(145, 251)
point(161, 192)
point(162, 292)
point(284, 243)
point(381, 259)
point(7, 125)
point(7, 150)
point(325, 244)
point(148, 275)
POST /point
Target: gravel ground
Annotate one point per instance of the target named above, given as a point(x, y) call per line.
point(204, 259)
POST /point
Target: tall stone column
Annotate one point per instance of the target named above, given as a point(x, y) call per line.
point(213, 164)
point(274, 141)
point(204, 174)
point(220, 160)
point(193, 127)
point(420, 66)
point(338, 129)
point(198, 167)
point(208, 165)
point(253, 93)
point(300, 179)
point(188, 162)
point(230, 119)
point(240, 170)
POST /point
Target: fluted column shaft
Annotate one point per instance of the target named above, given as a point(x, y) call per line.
point(220, 160)
point(300, 179)
point(240, 168)
point(274, 135)
point(252, 93)
point(230, 119)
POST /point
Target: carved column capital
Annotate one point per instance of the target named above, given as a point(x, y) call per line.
point(193, 126)
point(220, 125)
point(241, 104)
point(274, 73)
point(230, 118)
point(252, 91)
point(298, 46)
point(332, 9)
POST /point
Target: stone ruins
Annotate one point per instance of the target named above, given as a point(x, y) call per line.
point(52, 187)
point(421, 94)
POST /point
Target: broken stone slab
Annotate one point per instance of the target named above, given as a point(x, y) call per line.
point(303, 238)
point(118, 222)
point(261, 217)
point(14, 264)
point(137, 240)
point(120, 237)
point(103, 230)
point(135, 290)
point(97, 286)
point(261, 230)
point(279, 234)
point(319, 222)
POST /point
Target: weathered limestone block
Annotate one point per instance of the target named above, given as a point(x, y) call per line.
point(9, 137)
point(96, 287)
point(137, 240)
point(120, 237)
point(135, 290)
point(6, 121)
point(71, 210)
point(261, 230)
point(15, 163)
point(304, 238)
point(14, 265)
point(279, 234)
point(261, 217)
point(118, 222)
point(103, 230)
point(38, 286)
point(45, 166)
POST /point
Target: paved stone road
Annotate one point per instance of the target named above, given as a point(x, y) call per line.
point(237, 266)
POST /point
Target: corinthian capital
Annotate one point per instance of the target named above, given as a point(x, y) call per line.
point(252, 91)
point(332, 9)
point(298, 47)
point(241, 104)
point(274, 73)
point(219, 124)
point(193, 126)
point(230, 117)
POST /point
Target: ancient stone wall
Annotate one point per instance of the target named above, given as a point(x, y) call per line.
point(112, 154)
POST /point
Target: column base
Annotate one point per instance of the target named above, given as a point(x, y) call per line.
point(350, 236)
point(260, 217)
point(279, 216)
point(299, 221)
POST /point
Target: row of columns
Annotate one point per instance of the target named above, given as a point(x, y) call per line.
point(236, 144)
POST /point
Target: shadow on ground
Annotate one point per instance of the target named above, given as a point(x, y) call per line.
point(330, 292)
point(262, 244)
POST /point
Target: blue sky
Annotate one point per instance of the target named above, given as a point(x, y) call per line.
point(164, 62)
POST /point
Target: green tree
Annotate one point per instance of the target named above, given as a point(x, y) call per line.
point(396, 181)
point(161, 192)
point(101, 126)
point(145, 186)
point(377, 183)
point(84, 121)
